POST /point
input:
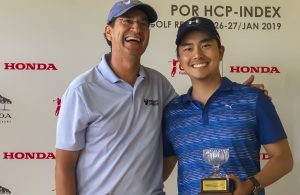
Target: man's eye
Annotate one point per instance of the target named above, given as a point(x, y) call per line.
point(144, 23)
point(128, 21)
point(206, 45)
point(187, 49)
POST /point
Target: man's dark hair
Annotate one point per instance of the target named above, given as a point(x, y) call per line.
point(111, 23)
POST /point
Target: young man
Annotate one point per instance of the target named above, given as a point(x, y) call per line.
point(217, 113)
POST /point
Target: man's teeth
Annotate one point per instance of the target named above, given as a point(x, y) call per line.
point(133, 39)
point(199, 65)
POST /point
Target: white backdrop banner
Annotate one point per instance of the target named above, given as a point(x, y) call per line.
point(44, 44)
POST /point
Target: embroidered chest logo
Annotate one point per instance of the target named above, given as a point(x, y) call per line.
point(149, 102)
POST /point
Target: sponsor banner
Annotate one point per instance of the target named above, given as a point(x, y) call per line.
point(29, 66)
point(41, 55)
point(5, 113)
point(28, 156)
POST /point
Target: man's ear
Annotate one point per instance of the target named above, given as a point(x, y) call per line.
point(221, 52)
point(108, 31)
point(178, 61)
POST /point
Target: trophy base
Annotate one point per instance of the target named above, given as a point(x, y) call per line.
point(216, 186)
point(215, 193)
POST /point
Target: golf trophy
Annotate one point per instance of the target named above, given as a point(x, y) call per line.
point(216, 183)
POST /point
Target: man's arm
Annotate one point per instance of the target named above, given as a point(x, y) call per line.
point(279, 164)
point(261, 86)
point(169, 164)
point(65, 172)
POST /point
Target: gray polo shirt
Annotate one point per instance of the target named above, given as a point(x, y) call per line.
point(117, 127)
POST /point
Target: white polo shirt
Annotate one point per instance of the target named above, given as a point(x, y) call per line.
point(117, 127)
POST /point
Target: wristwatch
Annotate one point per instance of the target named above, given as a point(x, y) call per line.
point(256, 184)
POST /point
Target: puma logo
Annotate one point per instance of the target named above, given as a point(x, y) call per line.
point(229, 106)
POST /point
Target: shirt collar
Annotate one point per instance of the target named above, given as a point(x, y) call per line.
point(109, 74)
point(226, 85)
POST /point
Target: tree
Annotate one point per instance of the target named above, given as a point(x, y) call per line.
point(4, 101)
point(4, 190)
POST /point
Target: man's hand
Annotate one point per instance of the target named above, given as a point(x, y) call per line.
point(249, 81)
point(261, 86)
point(241, 187)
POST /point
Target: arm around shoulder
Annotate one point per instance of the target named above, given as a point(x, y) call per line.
point(65, 172)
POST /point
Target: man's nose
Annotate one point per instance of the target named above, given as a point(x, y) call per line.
point(136, 25)
point(198, 52)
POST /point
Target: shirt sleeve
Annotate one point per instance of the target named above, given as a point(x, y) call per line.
point(169, 91)
point(270, 128)
point(72, 121)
